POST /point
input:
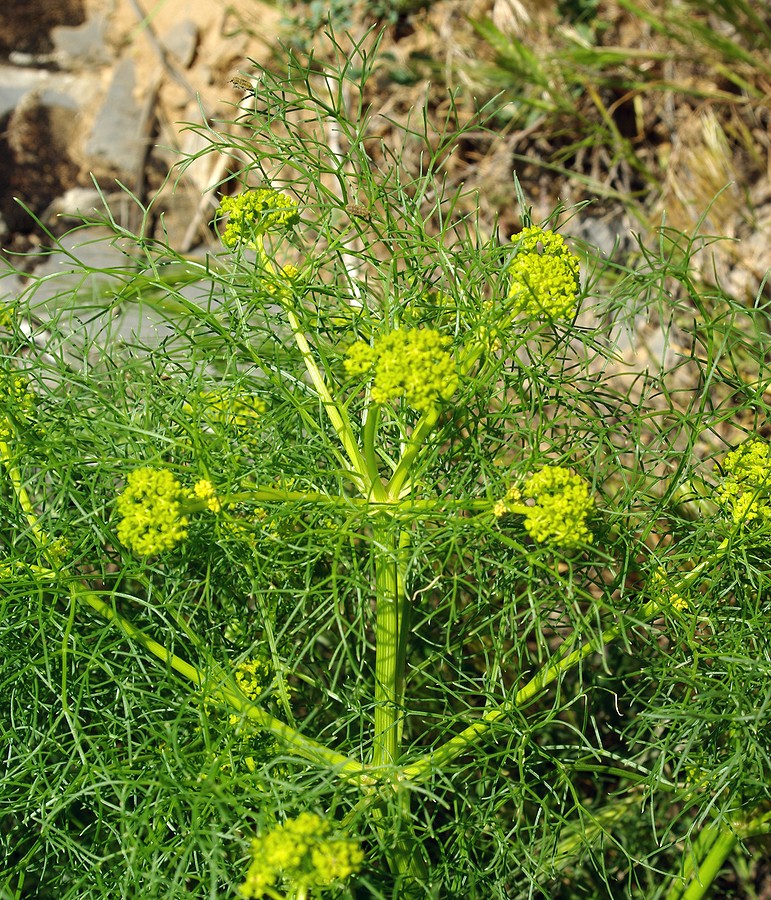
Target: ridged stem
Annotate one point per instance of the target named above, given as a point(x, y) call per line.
point(388, 546)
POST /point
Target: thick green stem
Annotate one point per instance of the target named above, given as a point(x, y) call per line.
point(389, 545)
point(709, 852)
point(402, 635)
point(415, 444)
point(370, 433)
point(390, 640)
point(21, 493)
point(334, 410)
point(336, 414)
point(702, 866)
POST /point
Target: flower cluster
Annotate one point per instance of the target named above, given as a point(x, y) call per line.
point(290, 272)
point(665, 594)
point(544, 275)
point(745, 490)
point(562, 504)
point(150, 508)
point(412, 363)
point(17, 403)
point(228, 407)
point(279, 283)
point(304, 852)
point(508, 504)
point(205, 490)
point(58, 550)
point(252, 676)
point(255, 213)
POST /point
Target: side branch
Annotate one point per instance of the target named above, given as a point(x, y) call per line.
point(301, 745)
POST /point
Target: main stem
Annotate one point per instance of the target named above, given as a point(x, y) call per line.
point(388, 545)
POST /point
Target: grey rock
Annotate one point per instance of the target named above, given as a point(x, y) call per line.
point(181, 42)
point(81, 45)
point(15, 83)
point(84, 293)
point(76, 203)
point(116, 144)
point(610, 234)
point(82, 301)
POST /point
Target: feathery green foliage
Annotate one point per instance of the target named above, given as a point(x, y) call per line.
point(274, 622)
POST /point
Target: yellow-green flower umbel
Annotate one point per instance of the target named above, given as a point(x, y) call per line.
point(412, 363)
point(150, 508)
point(255, 213)
point(562, 504)
point(746, 490)
point(227, 407)
point(303, 853)
point(252, 676)
point(17, 403)
point(544, 275)
point(205, 490)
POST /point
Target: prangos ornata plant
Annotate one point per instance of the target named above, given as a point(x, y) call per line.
point(441, 603)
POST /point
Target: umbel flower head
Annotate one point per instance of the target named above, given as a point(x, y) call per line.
point(561, 506)
point(255, 213)
point(664, 593)
point(746, 490)
point(205, 490)
point(226, 406)
point(412, 363)
point(544, 275)
point(150, 508)
point(304, 853)
point(252, 677)
point(17, 403)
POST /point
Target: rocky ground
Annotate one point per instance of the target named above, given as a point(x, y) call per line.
point(92, 93)
point(95, 97)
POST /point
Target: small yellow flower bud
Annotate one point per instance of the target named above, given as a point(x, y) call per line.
point(500, 508)
point(204, 490)
point(252, 677)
